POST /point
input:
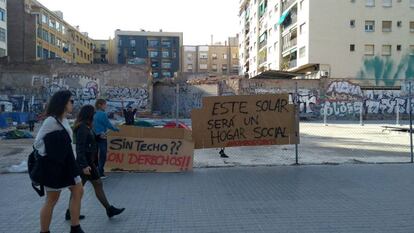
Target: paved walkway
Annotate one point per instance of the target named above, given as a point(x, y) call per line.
point(345, 198)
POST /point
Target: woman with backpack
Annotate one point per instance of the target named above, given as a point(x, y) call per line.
point(87, 158)
point(59, 168)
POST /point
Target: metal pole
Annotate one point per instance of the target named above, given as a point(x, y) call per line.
point(397, 110)
point(325, 114)
point(411, 123)
point(297, 110)
point(361, 112)
point(177, 100)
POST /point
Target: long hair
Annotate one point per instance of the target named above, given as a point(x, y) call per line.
point(99, 103)
point(57, 104)
point(85, 116)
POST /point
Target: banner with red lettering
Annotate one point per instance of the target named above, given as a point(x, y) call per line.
point(150, 150)
point(255, 120)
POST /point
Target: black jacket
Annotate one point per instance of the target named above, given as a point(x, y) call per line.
point(86, 146)
point(59, 164)
point(129, 116)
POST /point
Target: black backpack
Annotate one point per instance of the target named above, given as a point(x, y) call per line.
point(35, 170)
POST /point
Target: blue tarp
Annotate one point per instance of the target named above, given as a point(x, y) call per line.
point(18, 117)
point(283, 17)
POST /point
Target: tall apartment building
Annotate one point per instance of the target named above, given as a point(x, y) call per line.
point(212, 59)
point(37, 33)
point(339, 39)
point(3, 28)
point(161, 49)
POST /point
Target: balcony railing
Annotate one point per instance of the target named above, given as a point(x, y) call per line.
point(286, 4)
point(293, 64)
point(289, 44)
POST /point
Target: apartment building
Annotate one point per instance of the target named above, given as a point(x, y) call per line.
point(161, 49)
point(37, 33)
point(3, 28)
point(213, 59)
point(325, 38)
point(101, 51)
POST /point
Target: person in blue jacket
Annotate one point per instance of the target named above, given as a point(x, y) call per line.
point(101, 124)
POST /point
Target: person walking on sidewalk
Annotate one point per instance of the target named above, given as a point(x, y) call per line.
point(101, 124)
point(87, 158)
point(32, 120)
point(54, 142)
point(129, 114)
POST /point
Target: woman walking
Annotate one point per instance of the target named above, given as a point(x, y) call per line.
point(54, 142)
point(87, 158)
point(101, 124)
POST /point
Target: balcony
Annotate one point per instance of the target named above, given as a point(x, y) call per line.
point(291, 19)
point(289, 61)
point(289, 41)
point(287, 3)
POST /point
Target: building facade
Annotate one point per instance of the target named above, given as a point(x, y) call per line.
point(213, 59)
point(360, 39)
point(37, 33)
point(161, 49)
point(101, 51)
point(3, 28)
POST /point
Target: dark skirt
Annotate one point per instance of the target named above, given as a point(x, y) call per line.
point(93, 176)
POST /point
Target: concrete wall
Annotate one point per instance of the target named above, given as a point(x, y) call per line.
point(31, 85)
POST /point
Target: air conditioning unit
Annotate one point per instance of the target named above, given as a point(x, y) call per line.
point(324, 73)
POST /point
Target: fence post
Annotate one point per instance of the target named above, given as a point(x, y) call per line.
point(297, 116)
point(411, 121)
point(361, 114)
point(325, 113)
point(177, 101)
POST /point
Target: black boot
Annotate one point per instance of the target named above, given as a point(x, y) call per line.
point(112, 211)
point(76, 229)
point(67, 216)
point(45, 232)
point(222, 154)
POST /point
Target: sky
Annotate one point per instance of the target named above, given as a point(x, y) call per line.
point(197, 19)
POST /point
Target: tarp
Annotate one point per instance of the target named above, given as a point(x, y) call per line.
point(16, 134)
point(19, 117)
point(283, 17)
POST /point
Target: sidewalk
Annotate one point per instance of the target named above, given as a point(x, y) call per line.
point(345, 198)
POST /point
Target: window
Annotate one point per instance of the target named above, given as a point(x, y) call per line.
point(58, 43)
point(132, 43)
point(45, 54)
point(399, 47)
point(412, 26)
point(52, 55)
point(77, 51)
point(39, 51)
point(302, 28)
point(165, 54)
point(399, 24)
point(166, 74)
point(58, 27)
point(63, 29)
point(369, 26)
point(52, 39)
point(45, 19)
point(302, 52)
point(369, 49)
point(166, 44)
point(45, 35)
point(155, 74)
point(190, 67)
point(352, 48)
point(369, 2)
point(386, 26)
point(3, 34)
point(352, 23)
point(203, 56)
point(224, 67)
point(155, 64)
point(214, 56)
point(234, 55)
point(214, 67)
point(52, 24)
point(153, 43)
point(386, 50)
point(2, 14)
point(166, 65)
point(224, 56)
point(153, 54)
point(203, 66)
point(386, 3)
point(134, 53)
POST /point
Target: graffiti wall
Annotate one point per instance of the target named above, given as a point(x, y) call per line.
point(29, 88)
